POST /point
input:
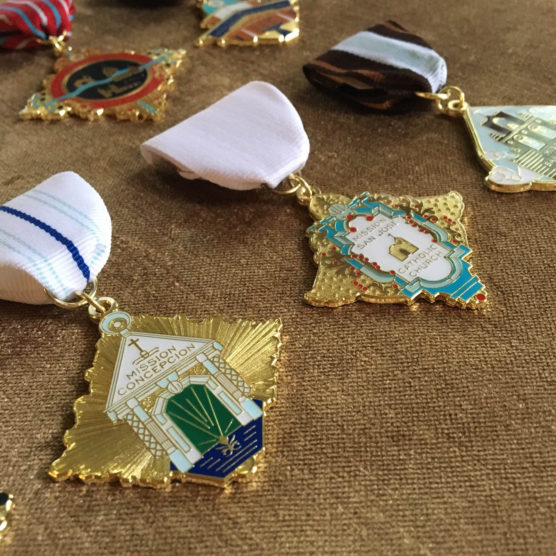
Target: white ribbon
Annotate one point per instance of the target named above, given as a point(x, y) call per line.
point(251, 137)
point(56, 236)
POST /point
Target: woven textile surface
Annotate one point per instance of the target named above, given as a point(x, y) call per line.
point(422, 430)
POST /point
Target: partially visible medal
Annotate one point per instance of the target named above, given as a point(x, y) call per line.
point(88, 84)
point(375, 247)
point(6, 508)
point(384, 68)
point(516, 144)
point(171, 399)
point(248, 22)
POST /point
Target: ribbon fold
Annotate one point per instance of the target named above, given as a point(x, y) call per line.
point(55, 236)
point(379, 68)
point(25, 23)
point(251, 137)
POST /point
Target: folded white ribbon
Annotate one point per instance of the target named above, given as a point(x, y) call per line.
point(56, 236)
point(251, 137)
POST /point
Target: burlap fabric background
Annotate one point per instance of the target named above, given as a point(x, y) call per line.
point(424, 430)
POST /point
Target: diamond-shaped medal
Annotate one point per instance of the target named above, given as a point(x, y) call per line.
point(173, 399)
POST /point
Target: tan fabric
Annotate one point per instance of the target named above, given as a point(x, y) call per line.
point(398, 431)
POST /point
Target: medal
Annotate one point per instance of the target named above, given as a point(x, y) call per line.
point(6, 507)
point(89, 84)
point(375, 247)
point(386, 67)
point(171, 399)
point(248, 22)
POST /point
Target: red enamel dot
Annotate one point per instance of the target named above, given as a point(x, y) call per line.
point(335, 262)
point(377, 266)
point(481, 297)
point(355, 282)
point(323, 254)
point(434, 240)
point(357, 274)
point(364, 289)
point(350, 217)
point(352, 229)
point(395, 286)
point(370, 218)
point(393, 272)
point(333, 248)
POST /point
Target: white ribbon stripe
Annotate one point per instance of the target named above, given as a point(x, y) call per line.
point(398, 54)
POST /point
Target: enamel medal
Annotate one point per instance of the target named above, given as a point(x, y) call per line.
point(173, 400)
point(386, 67)
point(170, 398)
point(375, 247)
point(89, 84)
point(125, 85)
point(516, 144)
point(385, 249)
point(248, 22)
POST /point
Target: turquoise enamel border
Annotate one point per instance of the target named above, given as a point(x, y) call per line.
point(460, 284)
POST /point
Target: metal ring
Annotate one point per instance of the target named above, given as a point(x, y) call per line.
point(106, 304)
point(298, 186)
point(450, 100)
point(93, 285)
point(291, 179)
point(300, 183)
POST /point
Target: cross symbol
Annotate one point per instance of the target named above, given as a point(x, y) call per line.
point(135, 343)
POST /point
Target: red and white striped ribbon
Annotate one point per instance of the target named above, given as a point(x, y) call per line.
point(25, 23)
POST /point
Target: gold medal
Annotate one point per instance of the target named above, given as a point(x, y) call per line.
point(171, 399)
point(385, 249)
point(248, 22)
point(125, 85)
point(516, 144)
